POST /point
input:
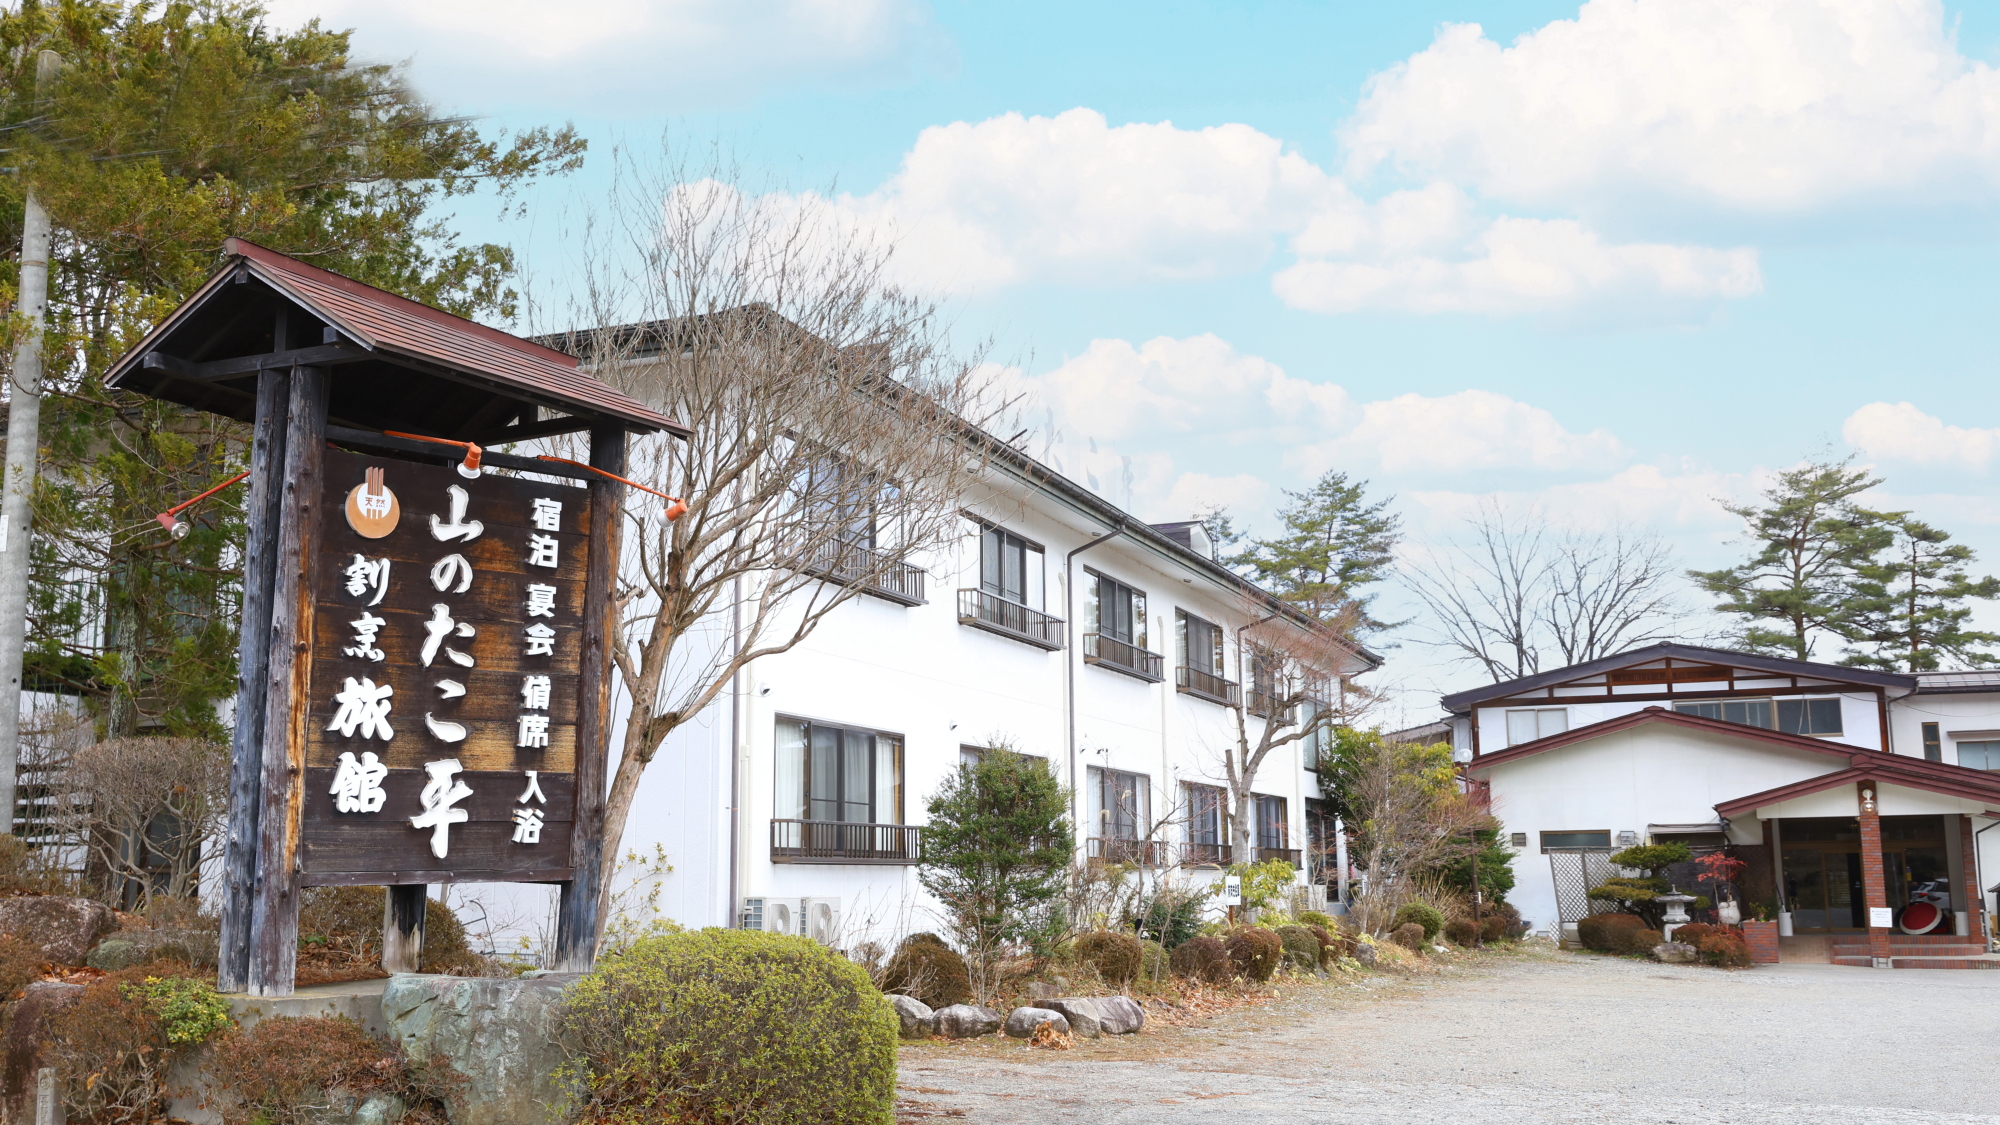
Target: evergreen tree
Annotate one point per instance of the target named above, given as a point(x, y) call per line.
point(171, 128)
point(1334, 543)
point(1916, 610)
point(1804, 581)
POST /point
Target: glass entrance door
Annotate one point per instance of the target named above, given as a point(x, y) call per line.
point(1823, 889)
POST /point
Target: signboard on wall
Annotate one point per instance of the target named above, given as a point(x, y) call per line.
point(441, 733)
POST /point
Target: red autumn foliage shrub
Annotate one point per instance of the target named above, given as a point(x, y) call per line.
point(292, 1070)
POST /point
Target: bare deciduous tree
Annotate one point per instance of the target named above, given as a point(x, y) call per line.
point(836, 435)
point(1517, 591)
point(144, 808)
point(1411, 817)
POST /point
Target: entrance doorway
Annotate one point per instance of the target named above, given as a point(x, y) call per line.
point(1822, 869)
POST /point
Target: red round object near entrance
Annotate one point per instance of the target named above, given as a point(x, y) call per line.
point(1921, 918)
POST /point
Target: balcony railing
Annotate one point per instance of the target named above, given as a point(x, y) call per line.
point(1120, 656)
point(1112, 849)
point(996, 614)
point(1289, 855)
point(1206, 855)
point(1206, 685)
point(857, 566)
point(828, 841)
point(1269, 705)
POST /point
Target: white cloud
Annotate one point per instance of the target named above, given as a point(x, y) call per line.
point(1682, 501)
point(626, 57)
point(1748, 104)
point(1469, 431)
point(1901, 432)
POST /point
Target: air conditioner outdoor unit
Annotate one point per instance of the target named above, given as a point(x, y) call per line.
point(821, 917)
point(780, 916)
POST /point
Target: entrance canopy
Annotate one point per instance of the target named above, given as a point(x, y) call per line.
point(1903, 785)
point(394, 364)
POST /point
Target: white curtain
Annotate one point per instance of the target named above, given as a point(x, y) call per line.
point(791, 780)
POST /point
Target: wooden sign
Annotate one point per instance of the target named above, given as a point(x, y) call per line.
point(442, 699)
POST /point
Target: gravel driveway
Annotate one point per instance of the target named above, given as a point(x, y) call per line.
point(1540, 1037)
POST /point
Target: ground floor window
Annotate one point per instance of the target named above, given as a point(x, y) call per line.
point(838, 774)
point(1120, 804)
point(1206, 819)
point(1586, 838)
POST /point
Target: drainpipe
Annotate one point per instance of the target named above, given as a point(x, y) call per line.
point(734, 909)
point(1978, 879)
point(1069, 700)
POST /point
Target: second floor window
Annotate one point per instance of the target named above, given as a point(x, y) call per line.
point(1200, 643)
point(1529, 725)
point(1273, 825)
point(838, 774)
point(1117, 611)
point(1010, 567)
point(1120, 804)
point(1207, 823)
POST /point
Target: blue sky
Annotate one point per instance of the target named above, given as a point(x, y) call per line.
point(1616, 261)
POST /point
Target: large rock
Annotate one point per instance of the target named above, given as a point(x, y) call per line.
point(499, 1033)
point(916, 1017)
point(24, 1042)
point(1082, 1014)
point(64, 927)
point(1022, 1022)
point(1676, 953)
point(964, 1021)
point(1120, 1015)
point(127, 948)
point(1364, 952)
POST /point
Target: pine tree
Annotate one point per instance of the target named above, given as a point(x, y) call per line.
point(1804, 580)
point(1334, 543)
point(171, 128)
point(1917, 592)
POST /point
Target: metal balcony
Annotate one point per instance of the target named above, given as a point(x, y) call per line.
point(829, 841)
point(848, 565)
point(996, 614)
point(1122, 656)
point(1206, 685)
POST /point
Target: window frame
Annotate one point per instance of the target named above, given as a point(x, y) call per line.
point(1209, 803)
point(899, 763)
point(1141, 810)
point(1263, 804)
point(1988, 747)
point(1133, 600)
point(1933, 739)
point(1186, 625)
point(1033, 565)
point(1542, 838)
point(1507, 722)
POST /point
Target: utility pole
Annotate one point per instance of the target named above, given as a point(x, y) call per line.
point(24, 438)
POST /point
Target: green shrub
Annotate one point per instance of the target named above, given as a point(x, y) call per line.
point(1205, 959)
point(1172, 916)
point(111, 1047)
point(1118, 958)
point(1330, 950)
point(731, 1026)
point(926, 968)
point(1423, 914)
point(189, 1010)
point(1256, 952)
point(1410, 935)
point(1154, 960)
point(1596, 931)
point(1301, 947)
point(1321, 919)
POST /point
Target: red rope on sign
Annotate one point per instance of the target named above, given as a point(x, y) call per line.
point(472, 451)
point(676, 507)
point(173, 525)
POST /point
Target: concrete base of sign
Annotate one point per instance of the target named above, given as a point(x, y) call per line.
point(360, 1001)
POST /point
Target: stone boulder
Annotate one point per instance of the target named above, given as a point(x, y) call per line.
point(64, 927)
point(38, 1002)
point(1081, 1012)
point(965, 1021)
point(1676, 953)
point(499, 1033)
point(1364, 952)
point(1022, 1022)
point(1120, 1015)
point(127, 948)
point(915, 1016)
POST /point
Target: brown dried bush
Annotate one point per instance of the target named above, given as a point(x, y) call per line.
point(1409, 935)
point(1597, 931)
point(340, 936)
point(1256, 952)
point(294, 1070)
point(111, 1051)
point(929, 970)
point(20, 964)
point(1205, 959)
point(1117, 958)
point(1331, 948)
point(1636, 941)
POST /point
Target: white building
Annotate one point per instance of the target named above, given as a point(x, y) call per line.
point(1057, 624)
point(1852, 793)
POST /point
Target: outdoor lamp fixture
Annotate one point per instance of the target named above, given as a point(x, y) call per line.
point(468, 468)
point(1868, 798)
point(676, 507)
point(176, 528)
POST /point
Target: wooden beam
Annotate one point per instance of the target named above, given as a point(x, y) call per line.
point(579, 913)
point(322, 356)
point(262, 509)
point(274, 929)
point(403, 927)
point(547, 427)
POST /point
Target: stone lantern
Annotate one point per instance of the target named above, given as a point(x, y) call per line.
point(1677, 915)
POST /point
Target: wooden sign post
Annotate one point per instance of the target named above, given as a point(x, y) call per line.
point(426, 662)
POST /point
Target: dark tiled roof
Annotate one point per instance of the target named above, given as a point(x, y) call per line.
point(1840, 673)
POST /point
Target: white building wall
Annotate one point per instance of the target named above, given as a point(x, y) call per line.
point(1966, 717)
point(1861, 724)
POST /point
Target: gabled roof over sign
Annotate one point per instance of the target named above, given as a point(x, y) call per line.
point(1672, 718)
point(396, 363)
point(1660, 669)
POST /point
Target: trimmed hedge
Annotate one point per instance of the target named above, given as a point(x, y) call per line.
point(1596, 931)
point(1409, 935)
point(731, 1025)
point(1118, 958)
point(1330, 948)
point(1301, 947)
point(1423, 914)
point(1256, 952)
point(1204, 959)
point(1722, 946)
point(1636, 941)
point(927, 969)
